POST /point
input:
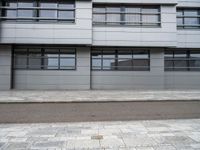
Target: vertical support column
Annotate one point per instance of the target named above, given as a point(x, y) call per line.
point(83, 67)
point(157, 67)
point(5, 67)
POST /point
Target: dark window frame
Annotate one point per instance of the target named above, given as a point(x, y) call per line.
point(183, 17)
point(42, 58)
point(187, 59)
point(123, 14)
point(36, 12)
point(116, 58)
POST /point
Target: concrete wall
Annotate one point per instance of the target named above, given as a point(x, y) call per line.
point(79, 32)
point(5, 67)
point(164, 36)
point(58, 79)
point(153, 79)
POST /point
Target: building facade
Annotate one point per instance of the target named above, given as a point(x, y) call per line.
point(100, 44)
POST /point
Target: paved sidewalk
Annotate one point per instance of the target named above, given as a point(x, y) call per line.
point(97, 95)
point(132, 135)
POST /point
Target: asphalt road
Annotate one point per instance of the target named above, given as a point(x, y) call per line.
point(111, 111)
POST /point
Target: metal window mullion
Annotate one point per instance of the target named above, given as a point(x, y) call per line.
point(122, 15)
point(199, 17)
point(149, 60)
point(37, 13)
point(106, 17)
point(188, 60)
point(183, 13)
point(42, 58)
point(173, 66)
point(183, 22)
point(141, 17)
point(59, 59)
point(27, 63)
point(57, 11)
point(116, 60)
point(17, 10)
point(132, 60)
point(101, 59)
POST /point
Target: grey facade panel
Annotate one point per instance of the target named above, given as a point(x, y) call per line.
point(57, 79)
point(84, 33)
point(153, 79)
point(5, 67)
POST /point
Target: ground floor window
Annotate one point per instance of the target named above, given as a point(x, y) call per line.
point(182, 60)
point(122, 60)
point(44, 58)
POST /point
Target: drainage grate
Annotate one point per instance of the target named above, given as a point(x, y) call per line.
point(97, 137)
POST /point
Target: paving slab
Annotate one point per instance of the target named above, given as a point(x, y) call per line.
point(97, 95)
point(115, 135)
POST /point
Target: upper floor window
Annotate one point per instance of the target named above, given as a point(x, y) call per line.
point(188, 18)
point(182, 60)
point(121, 60)
point(38, 10)
point(44, 58)
point(126, 15)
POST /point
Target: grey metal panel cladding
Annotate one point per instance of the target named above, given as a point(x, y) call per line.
point(169, 2)
point(5, 67)
point(155, 79)
point(144, 80)
point(57, 79)
point(163, 36)
point(182, 80)
point(79, 32)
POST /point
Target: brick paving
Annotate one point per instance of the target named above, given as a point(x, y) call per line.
point(97, 95)
point(129, 135)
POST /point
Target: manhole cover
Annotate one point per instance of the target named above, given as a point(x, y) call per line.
point(97, 137)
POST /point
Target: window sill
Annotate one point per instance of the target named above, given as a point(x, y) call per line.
point(126, 26)
point(45, 69)
point(36, 22)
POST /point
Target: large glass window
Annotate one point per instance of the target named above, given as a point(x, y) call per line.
point(188, 18)
point(126, 15)
point(182, 60)
point(38, 10)
point(45, 58)
point(122, 60)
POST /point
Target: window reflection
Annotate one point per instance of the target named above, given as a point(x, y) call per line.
point(109, 64)
point(188, 18)
point(182, 60)
point(51, 63)
point(122, 60)
point(66, 14)
point(43, 10)
point(126, 15)
point(45, 58)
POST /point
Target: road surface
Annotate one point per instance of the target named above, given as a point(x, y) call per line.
point(102, 111)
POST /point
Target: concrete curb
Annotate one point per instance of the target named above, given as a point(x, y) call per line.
point(103, 101)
